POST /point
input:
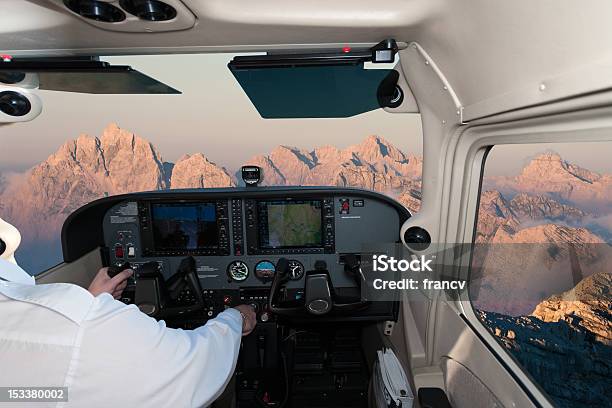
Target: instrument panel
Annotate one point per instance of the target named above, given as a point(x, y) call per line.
point(237, 236)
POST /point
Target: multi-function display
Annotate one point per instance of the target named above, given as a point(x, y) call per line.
point(290, 224)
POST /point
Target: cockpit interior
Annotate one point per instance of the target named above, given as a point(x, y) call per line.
point(414, 197)
point(291, 253)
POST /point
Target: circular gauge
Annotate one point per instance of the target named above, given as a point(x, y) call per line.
point(265, 270)
point(296, 270)
point(238, 271)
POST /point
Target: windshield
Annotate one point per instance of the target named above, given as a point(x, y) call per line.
point(84, 147)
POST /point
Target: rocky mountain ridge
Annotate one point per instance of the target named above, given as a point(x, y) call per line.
point(585, 307)
point(88, 168)
point(196, 171)
point(570, 331)
point(522, 210)
point(374, 164)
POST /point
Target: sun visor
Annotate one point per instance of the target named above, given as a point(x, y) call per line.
point(317, 85)
point(85, 76)
point(314, 92)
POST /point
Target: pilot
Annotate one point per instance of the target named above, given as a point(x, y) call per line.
point(106, 353)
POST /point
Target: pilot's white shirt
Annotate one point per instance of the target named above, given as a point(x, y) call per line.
point(106, 353)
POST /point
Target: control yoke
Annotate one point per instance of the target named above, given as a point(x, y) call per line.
point(159, 298)
point(319, 295)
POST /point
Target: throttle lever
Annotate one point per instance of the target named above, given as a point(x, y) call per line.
point(117, 269)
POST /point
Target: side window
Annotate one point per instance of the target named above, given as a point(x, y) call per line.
point(541, 275)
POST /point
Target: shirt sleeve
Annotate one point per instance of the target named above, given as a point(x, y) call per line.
point(146, 363)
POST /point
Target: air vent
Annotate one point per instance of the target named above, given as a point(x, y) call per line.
point(149, 10)
point(417, 238)
point(14, 104)
point(133, 16)
point(18, 104)
point(11, 78)
point(96, 10)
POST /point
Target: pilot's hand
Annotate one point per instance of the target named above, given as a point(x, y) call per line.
point(249, 318)
point(115, 286)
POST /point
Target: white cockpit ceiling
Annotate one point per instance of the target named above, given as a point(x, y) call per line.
point(487, 50)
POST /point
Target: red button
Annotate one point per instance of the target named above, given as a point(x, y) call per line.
point(227, 300)
point(119, 251)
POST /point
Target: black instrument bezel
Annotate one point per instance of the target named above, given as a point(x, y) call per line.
point(82, 231)
point(253, 228)
point(149, 247)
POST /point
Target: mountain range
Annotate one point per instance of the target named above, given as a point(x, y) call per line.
point(374, 164)
point(88, 168)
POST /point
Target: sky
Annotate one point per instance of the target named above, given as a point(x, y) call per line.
point(213, 116)
point(509, 160)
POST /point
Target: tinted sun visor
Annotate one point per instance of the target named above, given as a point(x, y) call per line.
point(313, 86)
point(85, 76)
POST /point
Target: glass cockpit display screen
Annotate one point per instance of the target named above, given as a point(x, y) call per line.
point(184, 226)
point(290, 224)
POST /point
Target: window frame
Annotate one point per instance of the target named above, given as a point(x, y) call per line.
point(473, 145)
